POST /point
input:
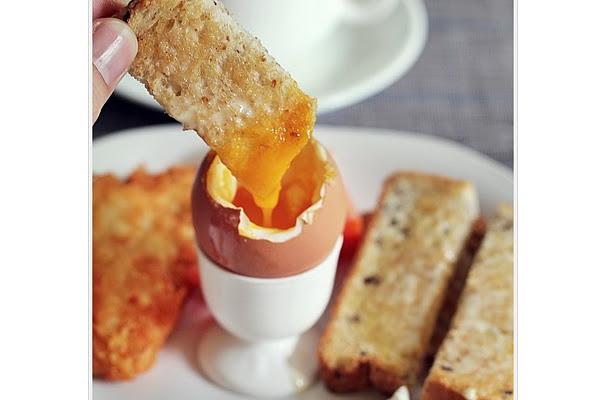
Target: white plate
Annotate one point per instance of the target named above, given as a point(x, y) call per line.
point(365, 156)
point(353, 63)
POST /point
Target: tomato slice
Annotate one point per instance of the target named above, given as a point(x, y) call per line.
point(353, 232)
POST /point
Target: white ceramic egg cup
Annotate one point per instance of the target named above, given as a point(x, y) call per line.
point(265, 345)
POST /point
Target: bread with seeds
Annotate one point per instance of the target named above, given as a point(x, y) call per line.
point(380, 327)
point(217, 79)
point(475, 361)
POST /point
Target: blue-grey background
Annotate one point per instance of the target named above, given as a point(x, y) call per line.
point(461, 88)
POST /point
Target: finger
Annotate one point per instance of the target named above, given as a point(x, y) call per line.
point(114, 48)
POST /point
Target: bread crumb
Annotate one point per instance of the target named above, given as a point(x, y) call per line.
point(401, 394)
point(470, 394)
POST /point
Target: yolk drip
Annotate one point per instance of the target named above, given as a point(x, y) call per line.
point(300, 189)
point(292, 202)
point(267, 216)
point(259, 155)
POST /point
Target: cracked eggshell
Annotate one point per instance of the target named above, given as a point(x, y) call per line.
point(217, 231)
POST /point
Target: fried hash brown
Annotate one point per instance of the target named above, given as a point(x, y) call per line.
point(143, 261)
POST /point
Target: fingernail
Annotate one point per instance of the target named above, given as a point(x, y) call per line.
point(114, 48)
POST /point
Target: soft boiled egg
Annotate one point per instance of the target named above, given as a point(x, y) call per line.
point(296, 235)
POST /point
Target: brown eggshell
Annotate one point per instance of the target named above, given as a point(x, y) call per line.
point(217, 234)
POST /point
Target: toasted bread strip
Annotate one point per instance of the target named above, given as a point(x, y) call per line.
point(475, 361)
point(214, 77)
point(381, 324)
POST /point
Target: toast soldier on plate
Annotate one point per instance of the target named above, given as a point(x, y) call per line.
point(381, 324)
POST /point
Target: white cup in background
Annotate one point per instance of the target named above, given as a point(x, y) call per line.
point(288, 27)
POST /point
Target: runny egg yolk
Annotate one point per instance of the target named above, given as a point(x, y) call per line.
point(300, 189)
point(259, 155)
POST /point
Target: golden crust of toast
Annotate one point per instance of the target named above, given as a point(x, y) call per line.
point(380, 326)
point(475, 361)
point(143, 254)
point(214, 77)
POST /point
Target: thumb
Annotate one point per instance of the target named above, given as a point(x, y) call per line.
point(114, 48)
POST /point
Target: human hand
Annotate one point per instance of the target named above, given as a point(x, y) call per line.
point(114, 48)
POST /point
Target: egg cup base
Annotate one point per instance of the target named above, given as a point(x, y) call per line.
point(270, 369)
